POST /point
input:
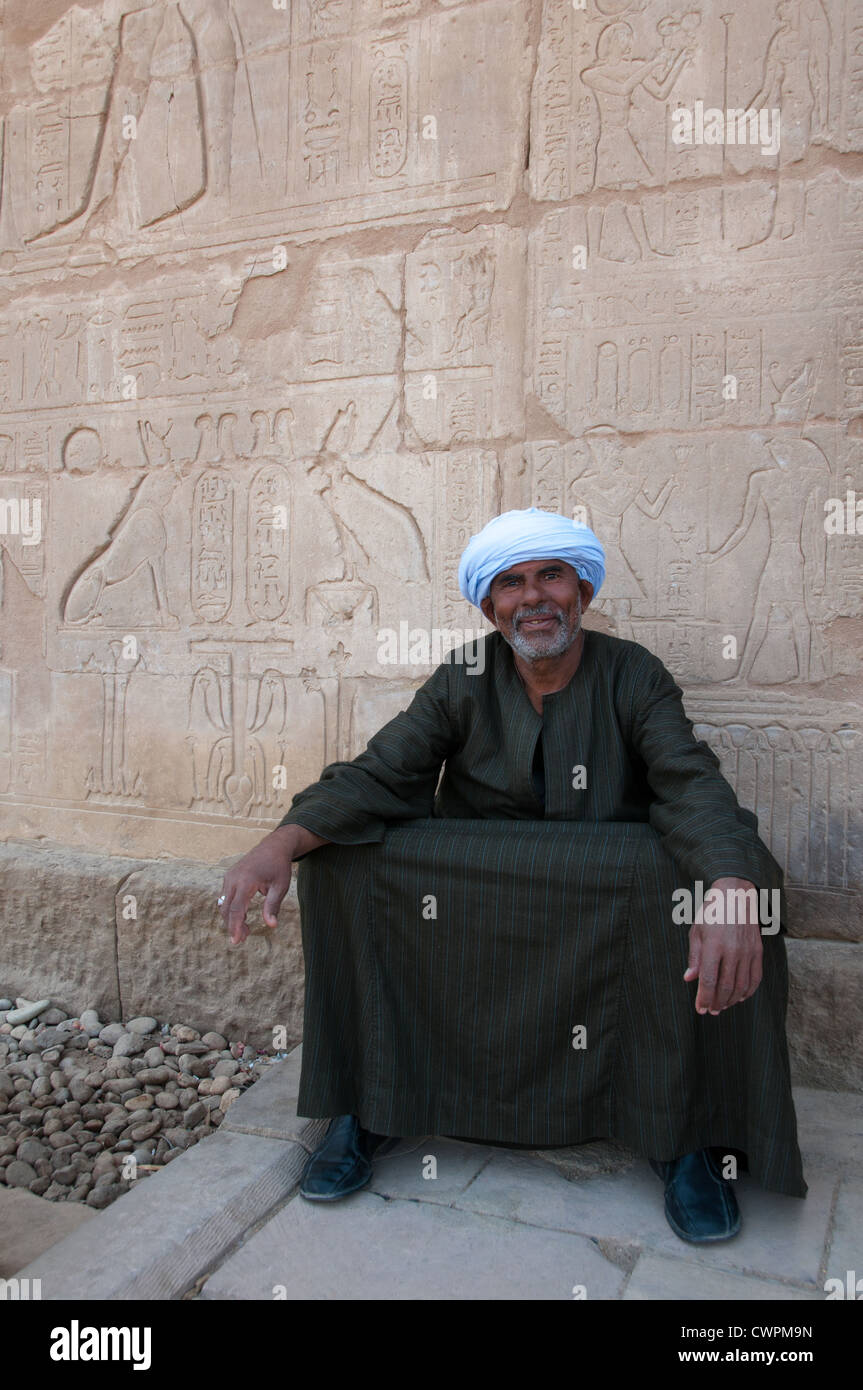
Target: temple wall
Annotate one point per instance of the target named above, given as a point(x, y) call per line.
point(294, 297)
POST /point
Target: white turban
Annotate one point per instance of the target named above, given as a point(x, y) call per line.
point(532, 534)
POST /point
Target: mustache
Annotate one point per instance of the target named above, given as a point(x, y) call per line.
point(538, 613)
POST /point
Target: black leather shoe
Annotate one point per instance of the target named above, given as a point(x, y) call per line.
point(342, 1164)
point(699, 1203)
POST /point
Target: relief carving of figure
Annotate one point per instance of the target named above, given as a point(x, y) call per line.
point(613, 79)
point(794, 572)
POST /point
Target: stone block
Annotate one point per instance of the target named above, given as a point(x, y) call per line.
point(158, 1238)
point(825, 1014)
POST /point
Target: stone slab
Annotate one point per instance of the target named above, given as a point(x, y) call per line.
point(157, 1239)
point(780, 1236)
point(57, 910)
point(368, 1248)
point(145, 937)
point(830, 1130)
point(825, 1014)
point(408, 1173)
point(661, 1277)
point(846, 1246)
point(29, 1226)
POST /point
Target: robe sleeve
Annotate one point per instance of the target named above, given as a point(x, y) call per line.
point(695, 811)
point(394, 779)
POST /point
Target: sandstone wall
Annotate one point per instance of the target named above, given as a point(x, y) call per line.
point(296, 296)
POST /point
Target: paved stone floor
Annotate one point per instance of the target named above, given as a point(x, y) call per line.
point(448, 1220)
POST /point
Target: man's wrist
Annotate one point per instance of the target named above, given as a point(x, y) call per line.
point(298, 840)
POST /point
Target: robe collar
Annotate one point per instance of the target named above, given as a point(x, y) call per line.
point(515, 687)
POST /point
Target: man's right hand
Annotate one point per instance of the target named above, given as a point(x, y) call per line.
point(266, 869)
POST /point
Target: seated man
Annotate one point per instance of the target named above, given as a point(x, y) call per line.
point(497, 954)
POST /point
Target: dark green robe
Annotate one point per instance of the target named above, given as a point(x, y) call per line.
point(456, 951)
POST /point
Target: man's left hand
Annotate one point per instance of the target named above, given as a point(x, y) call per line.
point(725, 957)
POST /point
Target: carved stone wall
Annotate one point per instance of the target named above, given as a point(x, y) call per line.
point(294, 297)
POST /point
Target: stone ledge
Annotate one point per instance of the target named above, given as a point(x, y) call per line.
point(269, 1108)
point(825, 1014)
point(154, 1242)
point(157, 1239)
point(67, 933)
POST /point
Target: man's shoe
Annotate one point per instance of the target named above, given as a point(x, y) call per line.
point(342, 1164)
point(699, 1203)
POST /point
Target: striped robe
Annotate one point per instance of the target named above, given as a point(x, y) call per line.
point(492, 954)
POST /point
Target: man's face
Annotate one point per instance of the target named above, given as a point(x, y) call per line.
point(537, 607)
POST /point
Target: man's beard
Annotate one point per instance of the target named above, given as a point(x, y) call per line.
point(540, 645)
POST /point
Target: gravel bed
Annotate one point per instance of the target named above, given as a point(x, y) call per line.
point(88, 1107)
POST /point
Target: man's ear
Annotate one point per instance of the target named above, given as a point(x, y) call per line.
point(487, 608)
point(586, 589)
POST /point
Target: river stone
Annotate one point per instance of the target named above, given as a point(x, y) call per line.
point(26, 1012)
point(53, 1016)
point(179, 1138)
point(215, 1041)
point(195, 1114)
point(142, 1024)
point(143, 1102)
point(167, 1100)
point(31, 1150)
point(20, 1174)
point(182, 1033)
point(62, 1156)
point(116, 1122)
point(111, 1033)
point(103, 1194)
point(154, 1076)
point(194, 1066)
point(129, 1045)
point(89, 1021)
point(146, 1131)
point(121, 1085)
point(154, 1056)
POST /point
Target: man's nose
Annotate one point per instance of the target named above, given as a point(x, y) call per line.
point(534, 594)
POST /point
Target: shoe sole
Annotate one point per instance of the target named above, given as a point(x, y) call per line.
point(334, 1196)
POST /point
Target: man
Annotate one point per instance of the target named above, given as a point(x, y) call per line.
point(498, 957)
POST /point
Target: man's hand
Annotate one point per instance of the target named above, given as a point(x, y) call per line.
point(266, 869)
point(725, 957)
